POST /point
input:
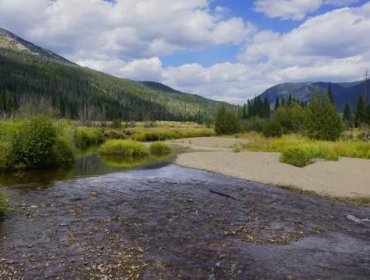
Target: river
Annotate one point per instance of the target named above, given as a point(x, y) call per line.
point(161, 221)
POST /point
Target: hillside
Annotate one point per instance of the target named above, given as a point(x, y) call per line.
point(342, 92)
point(37, 79)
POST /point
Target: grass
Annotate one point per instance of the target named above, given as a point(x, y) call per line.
point(87, 136)
point(167, 133)
point(300, 151)
point(159, 148)
point(124, 148)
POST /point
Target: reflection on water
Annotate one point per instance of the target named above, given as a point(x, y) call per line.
point(86, 165)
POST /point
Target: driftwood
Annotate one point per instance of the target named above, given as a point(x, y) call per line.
point(224, 195)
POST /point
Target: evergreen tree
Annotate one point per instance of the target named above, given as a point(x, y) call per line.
point(347, 115)
point(322, 120)
point(361, 116)
point(226, 121)
point(277, 103)
point(330, 93)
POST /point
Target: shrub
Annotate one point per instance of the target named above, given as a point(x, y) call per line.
point(296, 156)
point(159, 148)
point(226, 121)
point(32, 143)
point(291, 117)
point(86, 136)
point(256, 124)
point(124, 148)
point(322, 121)
point(4, 206)
point(273, 129)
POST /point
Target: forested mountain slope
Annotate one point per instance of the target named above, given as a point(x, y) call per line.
point(342, 92)
point(32, 77)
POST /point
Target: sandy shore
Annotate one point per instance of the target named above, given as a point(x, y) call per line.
point(347, 177)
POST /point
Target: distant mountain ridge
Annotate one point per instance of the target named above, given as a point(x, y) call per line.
point(29, 73)
point(342, 92)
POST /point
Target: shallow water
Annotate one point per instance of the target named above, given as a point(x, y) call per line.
point(163, 221)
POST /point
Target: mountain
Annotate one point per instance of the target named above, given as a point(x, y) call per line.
point(342, 92)
point(35, 79)
point(11, 41)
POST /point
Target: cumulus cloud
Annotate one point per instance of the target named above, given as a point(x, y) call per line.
point(129, 28)
point(287, 9)
point(329, 46)
point(294, 9)
point(127, 38)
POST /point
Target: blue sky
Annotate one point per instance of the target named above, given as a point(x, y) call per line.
point(227, 50)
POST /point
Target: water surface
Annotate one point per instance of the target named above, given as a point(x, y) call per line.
point(163, 221)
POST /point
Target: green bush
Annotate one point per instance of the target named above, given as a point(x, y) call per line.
point(296, 156)
point(226, 121)
point(124, 148)
point(301, 156)
point(32, 143)
point(322, 121)
point(86, 136)
point(273, 129)
point(159, 148)
point(4, 206)
point(256, 124)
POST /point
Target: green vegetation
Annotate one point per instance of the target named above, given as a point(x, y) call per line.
point(273, 129)
point(159, 148)
point(85, 137)
point(322, 121)
point(160, 134)
point(38, 84)
point(4, 206)
point(226, 121)
point(124, 148)
point(299, 150)
point(32, 143)
point(35, 143)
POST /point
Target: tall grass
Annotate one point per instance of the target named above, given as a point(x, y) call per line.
point(87, 136)
point(160, 134)
point(124, 148)
point(299, 150)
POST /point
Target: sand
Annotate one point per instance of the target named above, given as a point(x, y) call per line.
point(346, 178)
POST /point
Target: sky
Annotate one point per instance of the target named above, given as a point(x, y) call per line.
point(229, 50)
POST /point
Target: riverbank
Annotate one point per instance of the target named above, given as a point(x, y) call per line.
point(347, 178)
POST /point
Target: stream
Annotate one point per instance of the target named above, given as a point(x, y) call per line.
point(156, 220)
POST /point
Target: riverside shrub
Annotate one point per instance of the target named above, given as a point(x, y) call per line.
point(32, 143)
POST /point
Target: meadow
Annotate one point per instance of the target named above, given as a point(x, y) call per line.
point(299, 150)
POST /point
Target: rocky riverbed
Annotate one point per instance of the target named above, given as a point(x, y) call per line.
point(172, 222)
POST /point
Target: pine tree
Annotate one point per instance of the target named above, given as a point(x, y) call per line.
point(360, 112)
point(330, 93)
point(277, 102)
point(322, 120)
point(347, 115)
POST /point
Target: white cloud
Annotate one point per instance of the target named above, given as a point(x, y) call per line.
point(128, 38)
point(287, 9)
point(333, 46)
point(125, 28)
point(294, 9)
